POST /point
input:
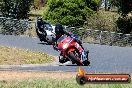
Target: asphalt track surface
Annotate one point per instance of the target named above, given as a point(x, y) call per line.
point(106, 59)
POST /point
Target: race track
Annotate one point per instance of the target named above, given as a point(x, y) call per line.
point(110, 59)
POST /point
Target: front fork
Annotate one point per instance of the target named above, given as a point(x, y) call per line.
point(84, 55)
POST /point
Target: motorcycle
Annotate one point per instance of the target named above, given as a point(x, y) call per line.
point(70, 50)
point(48, 33)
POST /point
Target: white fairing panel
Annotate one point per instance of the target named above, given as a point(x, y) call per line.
point(50, 34)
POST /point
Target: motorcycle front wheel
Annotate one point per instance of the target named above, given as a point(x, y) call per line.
point(74, 58)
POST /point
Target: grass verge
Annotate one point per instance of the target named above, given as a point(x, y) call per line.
point(57, 83)
point(11, 79)
point(14, 56)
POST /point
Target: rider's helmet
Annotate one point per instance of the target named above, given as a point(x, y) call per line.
point(59, 29)
point(39, 19)
point(40, 23)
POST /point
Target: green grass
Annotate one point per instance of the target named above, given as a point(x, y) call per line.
point(12, 55)
point(54, 83)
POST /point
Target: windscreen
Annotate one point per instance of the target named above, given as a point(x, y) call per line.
point(48, 27)
point(61, 38)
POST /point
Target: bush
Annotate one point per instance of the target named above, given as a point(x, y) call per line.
point(16, 8)
point(1, 2)
point(37, 4)
point(124, 6)
point(102, 20)
point(125, 24)
point(70, 12)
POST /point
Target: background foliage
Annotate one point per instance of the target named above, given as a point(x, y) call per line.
point(70, 12)
point(16, 8)
point(124, 6)
point(37, 4)
point(103, 20)
point(124, 22)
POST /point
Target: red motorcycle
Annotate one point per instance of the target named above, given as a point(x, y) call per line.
point(70, 50)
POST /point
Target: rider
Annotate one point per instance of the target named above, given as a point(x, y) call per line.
point(40, 24)
point(59, 31)
point(40, 27)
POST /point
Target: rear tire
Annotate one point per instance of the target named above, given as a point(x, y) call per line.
point(50, 41)
point(74, 59)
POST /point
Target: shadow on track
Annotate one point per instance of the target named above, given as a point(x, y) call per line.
point(44, 43)
point(68, 65)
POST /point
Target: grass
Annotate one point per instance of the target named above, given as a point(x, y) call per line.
point(54, 83)
point(48, 80)
point(18, 79)
point(14, 56)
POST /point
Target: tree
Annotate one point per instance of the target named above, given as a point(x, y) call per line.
point(70, 12)
point(1, 2)
point(124, 6)
point(16, 8)
point(124, 22)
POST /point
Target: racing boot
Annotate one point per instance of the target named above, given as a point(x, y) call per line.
point(62, 59)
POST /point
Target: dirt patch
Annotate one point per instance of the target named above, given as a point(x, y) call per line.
point(18, 75)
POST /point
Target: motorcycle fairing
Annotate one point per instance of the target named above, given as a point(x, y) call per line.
point(73, 46)
point(81, 51)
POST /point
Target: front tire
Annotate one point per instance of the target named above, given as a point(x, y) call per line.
point(74, 59)
point(86, 63)
point(50, 40)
